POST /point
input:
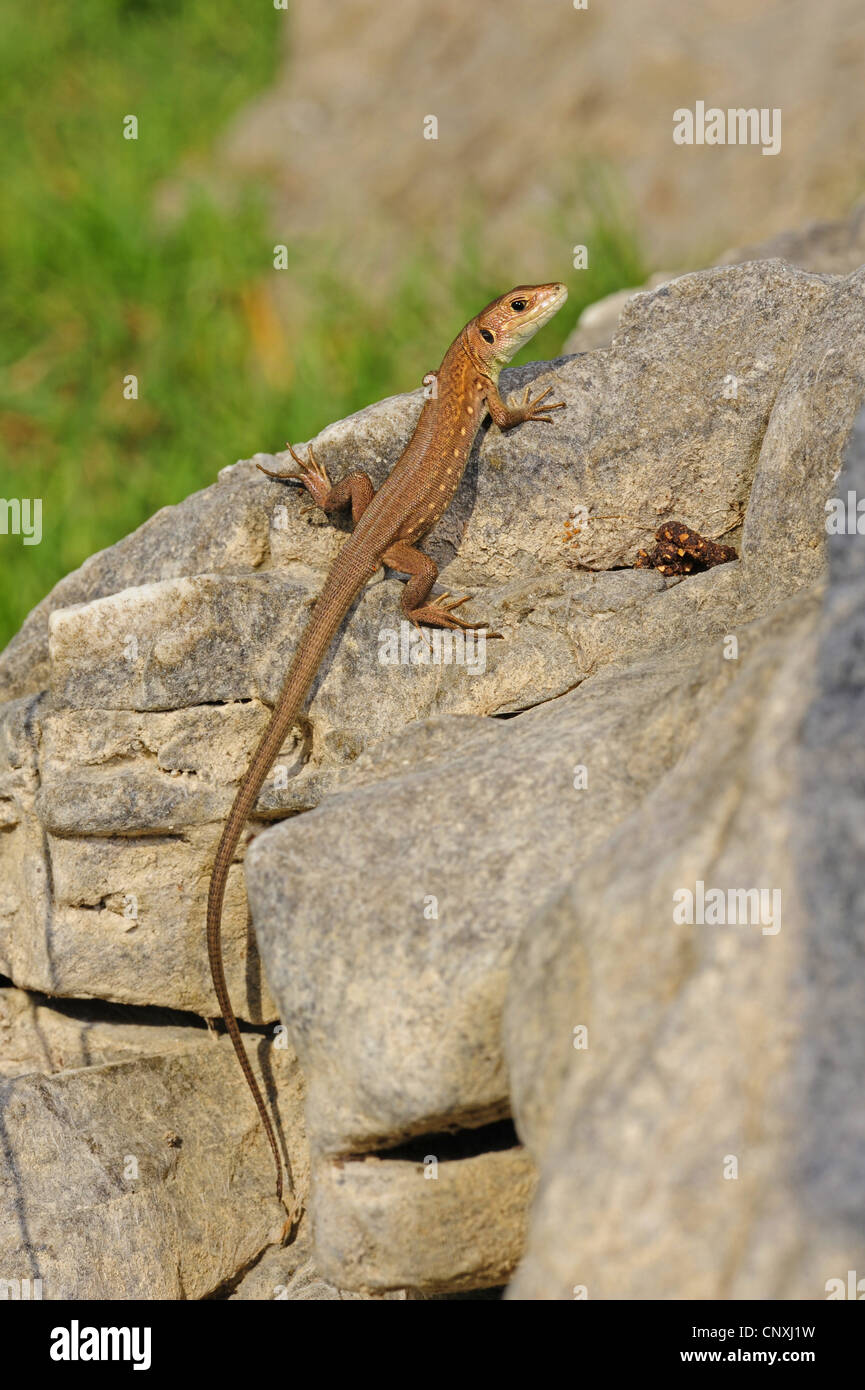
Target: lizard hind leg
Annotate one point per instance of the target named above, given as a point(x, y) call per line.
point(439, 612)
point(418, 606)
point(355, 488)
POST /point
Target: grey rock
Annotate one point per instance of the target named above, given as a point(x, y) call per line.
point(831, 247)
point(679, 434)
point(434, 883)
point(827, 841)
point(144, 1177)
point(801, 451)
point(708, 1141)
point(597, 324)
point(290, 1275)
point(436, 842)
point(380, 1223)
point(219, 528)
point(112, 818)
point(38, 1034)
point(824, 248)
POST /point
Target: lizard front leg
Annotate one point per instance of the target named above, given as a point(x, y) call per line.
point(506, 416)
point(417, 605)
point(355, 488)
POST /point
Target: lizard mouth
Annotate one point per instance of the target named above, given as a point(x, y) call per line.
point(550, 304)
point(548, 299)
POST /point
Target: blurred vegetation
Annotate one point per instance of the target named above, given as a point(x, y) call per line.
point(95, 284)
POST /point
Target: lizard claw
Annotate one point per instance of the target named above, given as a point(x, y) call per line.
point(422, 631)
point(528, 409)
point(310, 464)
point(312, 475)
point(280, 477)
point(439, 612)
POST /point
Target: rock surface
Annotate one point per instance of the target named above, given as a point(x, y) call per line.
point(702, 402)
point(684, 1146)
point(435, 846)
point(39, 1034)
point(435, 882)
point(291, 1275)
point(450, 1228)
point(134, 1166)
point(468, 866)
point(824, 248)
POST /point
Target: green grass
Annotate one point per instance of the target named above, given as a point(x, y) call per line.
point(94, 285)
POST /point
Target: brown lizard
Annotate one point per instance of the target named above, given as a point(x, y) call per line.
point(388, 525)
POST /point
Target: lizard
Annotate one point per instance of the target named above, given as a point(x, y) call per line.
point(388, 525)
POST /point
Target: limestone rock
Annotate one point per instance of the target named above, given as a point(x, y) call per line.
point(289, 1274)
point(597, 324)
point(434, 884)
point(683, 1145)
point(533, 805)
point(211, 530)
point(811, 418)
point(380, 1223)
point(824, 248)
point(142, 1177)
point(38, 1034)
point(118, 777)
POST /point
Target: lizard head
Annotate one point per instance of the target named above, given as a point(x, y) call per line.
point(507, 324)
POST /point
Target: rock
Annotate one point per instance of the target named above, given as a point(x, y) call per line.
point(678, 1075)
point(215, 529)
point(682, 1146)
point(41, 1035)
point(416, 962)
point(827, 830)
point(433, 887)
point(688, 426)
point(143, 1177)
point(113, 818)
point(291, 1275)
point(597, 324)
point(453, 1228)
point(448, 822)
point(801, 451)
point(116, 913)
point(827, 248)
point(824, 248)
point(433, 1062)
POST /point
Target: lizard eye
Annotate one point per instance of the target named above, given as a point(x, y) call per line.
point(487, 336)
point(518, 305)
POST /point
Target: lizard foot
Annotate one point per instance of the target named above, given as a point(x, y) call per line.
point(312, 475)
point(528, 409)
point(439, 612)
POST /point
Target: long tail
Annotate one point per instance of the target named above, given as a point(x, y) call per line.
point(342, 586)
